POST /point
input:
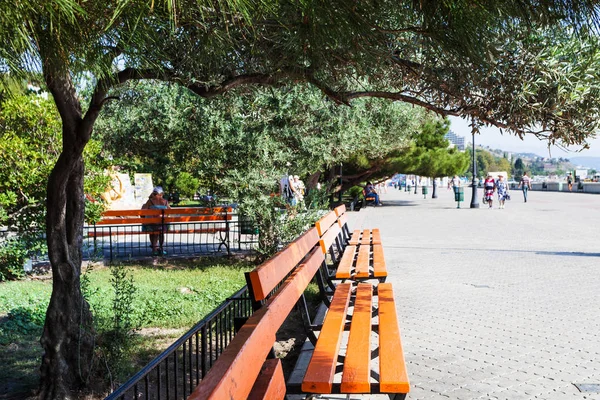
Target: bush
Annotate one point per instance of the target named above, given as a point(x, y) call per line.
point(13, 253)
point(186, 184)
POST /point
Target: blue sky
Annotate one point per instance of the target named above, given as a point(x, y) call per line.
point(530, 144)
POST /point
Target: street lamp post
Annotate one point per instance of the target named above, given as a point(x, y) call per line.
point(474, 196)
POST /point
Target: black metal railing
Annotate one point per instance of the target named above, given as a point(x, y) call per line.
point(181, 238)
point(177, 371)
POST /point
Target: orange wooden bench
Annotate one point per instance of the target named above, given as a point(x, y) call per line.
point(358, 347)
point(175, 220)
point(357, 255)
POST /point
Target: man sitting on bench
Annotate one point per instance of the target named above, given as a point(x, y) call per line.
point(371, 194)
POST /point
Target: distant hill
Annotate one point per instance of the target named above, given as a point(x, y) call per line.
point(590, 162)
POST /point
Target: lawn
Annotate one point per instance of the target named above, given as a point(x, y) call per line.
point(169, 298)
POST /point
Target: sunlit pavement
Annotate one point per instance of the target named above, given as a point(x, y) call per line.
point(495, 303)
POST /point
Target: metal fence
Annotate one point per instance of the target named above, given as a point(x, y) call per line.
point(178, 370)
point(182, 238)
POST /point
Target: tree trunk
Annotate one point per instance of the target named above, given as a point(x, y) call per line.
point(68, 337)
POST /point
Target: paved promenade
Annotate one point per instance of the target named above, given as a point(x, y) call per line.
point(495, 304)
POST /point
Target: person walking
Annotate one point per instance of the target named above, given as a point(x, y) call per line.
point(488, 186)
point(525, 185)
point(455, 184)
point(502, 189)
point(570, 181)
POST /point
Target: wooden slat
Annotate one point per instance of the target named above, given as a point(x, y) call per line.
point(355, 239)
point(376, 236)
point(355, 378)
point(325, 222)
point(343, 220)
point(320, 371)
point(345, 267)
point(365, 240)
point(270, 383)
point(362, 262)
point(269, 274)
point(328, 239)
point(130, 221)
point(255, 339)
point(168, 211)
point(199, 210)
point(105, 233)
point(339, 210)
point(166, 220)
point(379, 268)
point(129, 213)
point(200, 218)
point(393, 377)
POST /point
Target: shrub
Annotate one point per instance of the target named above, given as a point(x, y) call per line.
point(13, 253)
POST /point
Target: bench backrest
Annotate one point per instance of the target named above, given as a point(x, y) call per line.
point(236, 370)
point(190, 214)
point(269, 274)
point(331, 227)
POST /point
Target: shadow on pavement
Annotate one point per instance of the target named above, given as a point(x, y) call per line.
point(397, 203)
point(540, 252)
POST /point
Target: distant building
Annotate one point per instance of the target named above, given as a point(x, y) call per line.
point(458, 141)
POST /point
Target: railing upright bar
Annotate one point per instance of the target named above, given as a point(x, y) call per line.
point(197, 359)
point(175, 370)
point(167, 378)
point(158, 380)
point(146, 387)
point(191, 378)
point(183, 369)
point(204, 351)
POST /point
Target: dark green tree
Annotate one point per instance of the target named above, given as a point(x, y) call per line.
point(430, 155)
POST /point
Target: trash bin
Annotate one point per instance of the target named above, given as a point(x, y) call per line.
point(424, 190)
point(459, 195)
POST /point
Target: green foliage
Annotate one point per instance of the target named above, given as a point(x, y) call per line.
point(12, 257)
point(186, 184)
point(240, 145)
point(430, 155)
point(29, 145)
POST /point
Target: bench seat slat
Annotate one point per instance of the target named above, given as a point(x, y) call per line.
point(355, 239)
point(362, 262)
point(393, 377)
point(366, 237)
point(379, 268)
point(320, 371)
point(270, 383)
point(357, 371)
point(345, 268)
point(376, 236)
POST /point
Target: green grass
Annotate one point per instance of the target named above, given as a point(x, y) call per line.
point(170, 297)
